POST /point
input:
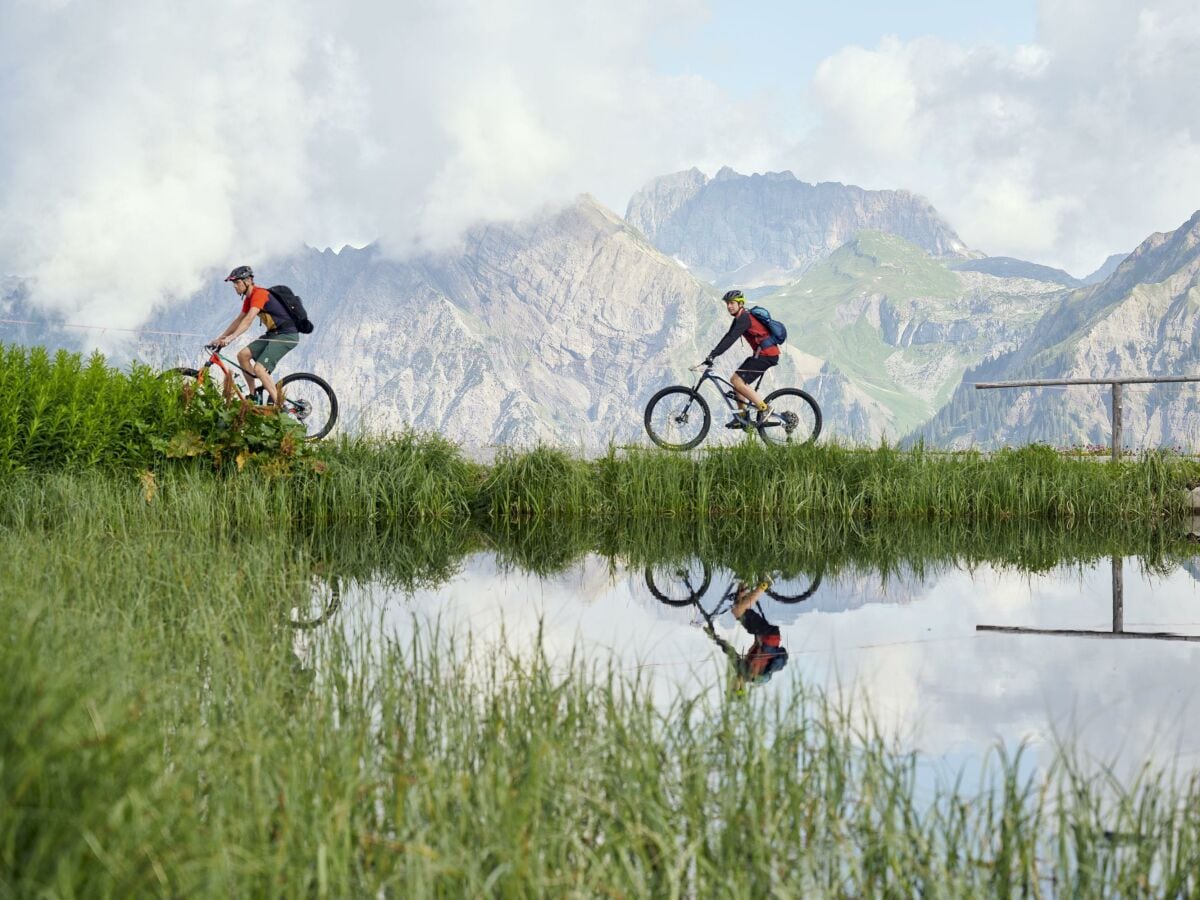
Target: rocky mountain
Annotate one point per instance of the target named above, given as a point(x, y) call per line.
point(768, 229)
point(1106, 268)
point(1141, 321)
point(900, 328)
point(557, 329)
point(1008, 267)
point(560, 328)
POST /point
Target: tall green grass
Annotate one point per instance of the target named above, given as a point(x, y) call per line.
point(162, 737)
point(62, 415)
point(60, 412)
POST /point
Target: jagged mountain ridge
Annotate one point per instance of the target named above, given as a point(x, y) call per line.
point(559, 328)
point(1141, 321)
point(768, 229)
point(556, 330)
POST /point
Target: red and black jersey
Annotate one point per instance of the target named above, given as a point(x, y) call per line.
point(755, 332)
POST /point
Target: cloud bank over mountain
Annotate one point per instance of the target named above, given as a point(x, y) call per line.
point(144, 148)
point(1061, 151)
point(143, 145)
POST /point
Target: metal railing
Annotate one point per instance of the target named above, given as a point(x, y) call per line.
point(1117, 632)
point(1116, 383)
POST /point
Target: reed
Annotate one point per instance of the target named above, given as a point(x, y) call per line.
point(164, 735)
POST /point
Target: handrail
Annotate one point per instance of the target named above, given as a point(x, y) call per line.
point(1116, 383)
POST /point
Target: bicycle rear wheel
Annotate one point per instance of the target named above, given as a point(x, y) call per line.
point(793, 418)
point(678, 585)
point(677, 418)
point(310, 401)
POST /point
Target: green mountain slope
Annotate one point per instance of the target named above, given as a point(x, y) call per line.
point(901, 325)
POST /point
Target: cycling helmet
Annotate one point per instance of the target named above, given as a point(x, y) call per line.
point(241, 272)
point(735, 294)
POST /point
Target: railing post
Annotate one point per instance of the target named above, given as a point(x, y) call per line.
point(1116, 420)
point(1118, 583)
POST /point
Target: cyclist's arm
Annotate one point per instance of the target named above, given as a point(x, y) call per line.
point(236, 328)
point(736, 329)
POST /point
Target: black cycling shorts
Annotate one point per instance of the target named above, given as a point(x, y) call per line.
point(753, 367)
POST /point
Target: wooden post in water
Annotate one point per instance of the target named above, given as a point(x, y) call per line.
point(1116, 420)
point(1118, 620)
point(1118, 594)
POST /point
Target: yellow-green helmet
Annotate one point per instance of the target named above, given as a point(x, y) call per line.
point(734, 295)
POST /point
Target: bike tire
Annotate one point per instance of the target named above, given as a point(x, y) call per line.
point(327, 608)
point(792, 596)
point(665, 405)
point(319, 420)
point(804, 426)
point(211, 374)
point(675, 582)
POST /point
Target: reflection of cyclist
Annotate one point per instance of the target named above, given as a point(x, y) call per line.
point(752, 367)
point(766, 655)
point(259, 357)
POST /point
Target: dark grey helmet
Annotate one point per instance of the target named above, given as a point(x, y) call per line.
point(241, 272)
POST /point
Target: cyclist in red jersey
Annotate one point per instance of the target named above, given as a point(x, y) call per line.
point(259, 357)
point(754, 366)
point(766, 655)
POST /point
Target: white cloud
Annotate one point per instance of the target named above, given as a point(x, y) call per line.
point(1063, 151)
point(144, 147)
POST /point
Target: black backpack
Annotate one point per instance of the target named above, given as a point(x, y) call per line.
point(294, 307)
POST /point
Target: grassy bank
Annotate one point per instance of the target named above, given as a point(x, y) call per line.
point(162, 735)
point(63, 414)
point(424, 478)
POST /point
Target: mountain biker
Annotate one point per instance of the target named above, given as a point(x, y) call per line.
point(259, 357)
point(766, 655)
point(753, 367)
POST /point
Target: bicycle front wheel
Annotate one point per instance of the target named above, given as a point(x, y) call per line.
point(209, 374)
point(311, 402)
point(793, 418)
point(678, 585)
point(677, 418)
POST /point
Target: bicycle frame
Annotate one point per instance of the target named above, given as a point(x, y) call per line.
point(717, 380)
point(217, 359)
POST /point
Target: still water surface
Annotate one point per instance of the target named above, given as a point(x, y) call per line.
point(909, 646)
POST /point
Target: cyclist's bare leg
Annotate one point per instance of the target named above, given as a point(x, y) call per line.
point(249, 366)
point(745, 391)
point(267, 382)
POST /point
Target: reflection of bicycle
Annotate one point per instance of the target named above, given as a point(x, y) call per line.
point(686, 584)
point(678, 418)
point(306, 398)
point(324, 600)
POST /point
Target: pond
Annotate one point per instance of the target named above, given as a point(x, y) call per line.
point(955, 658)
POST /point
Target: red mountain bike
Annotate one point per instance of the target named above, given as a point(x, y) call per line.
point(306, 398)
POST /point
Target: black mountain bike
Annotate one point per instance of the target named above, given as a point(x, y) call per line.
point(306, 398)
point(678, 418)
point(684, 584)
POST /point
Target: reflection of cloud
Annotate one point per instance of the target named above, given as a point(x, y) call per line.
point(919, 666)
point(129, 176)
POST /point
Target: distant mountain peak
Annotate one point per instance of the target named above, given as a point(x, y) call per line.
point(768, 228)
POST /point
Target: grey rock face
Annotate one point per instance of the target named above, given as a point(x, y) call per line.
point(1007, 267)
point(555, 330)
point(1143, 320)
point(768, 229)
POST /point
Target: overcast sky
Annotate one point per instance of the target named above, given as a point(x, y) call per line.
point(145, 147)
